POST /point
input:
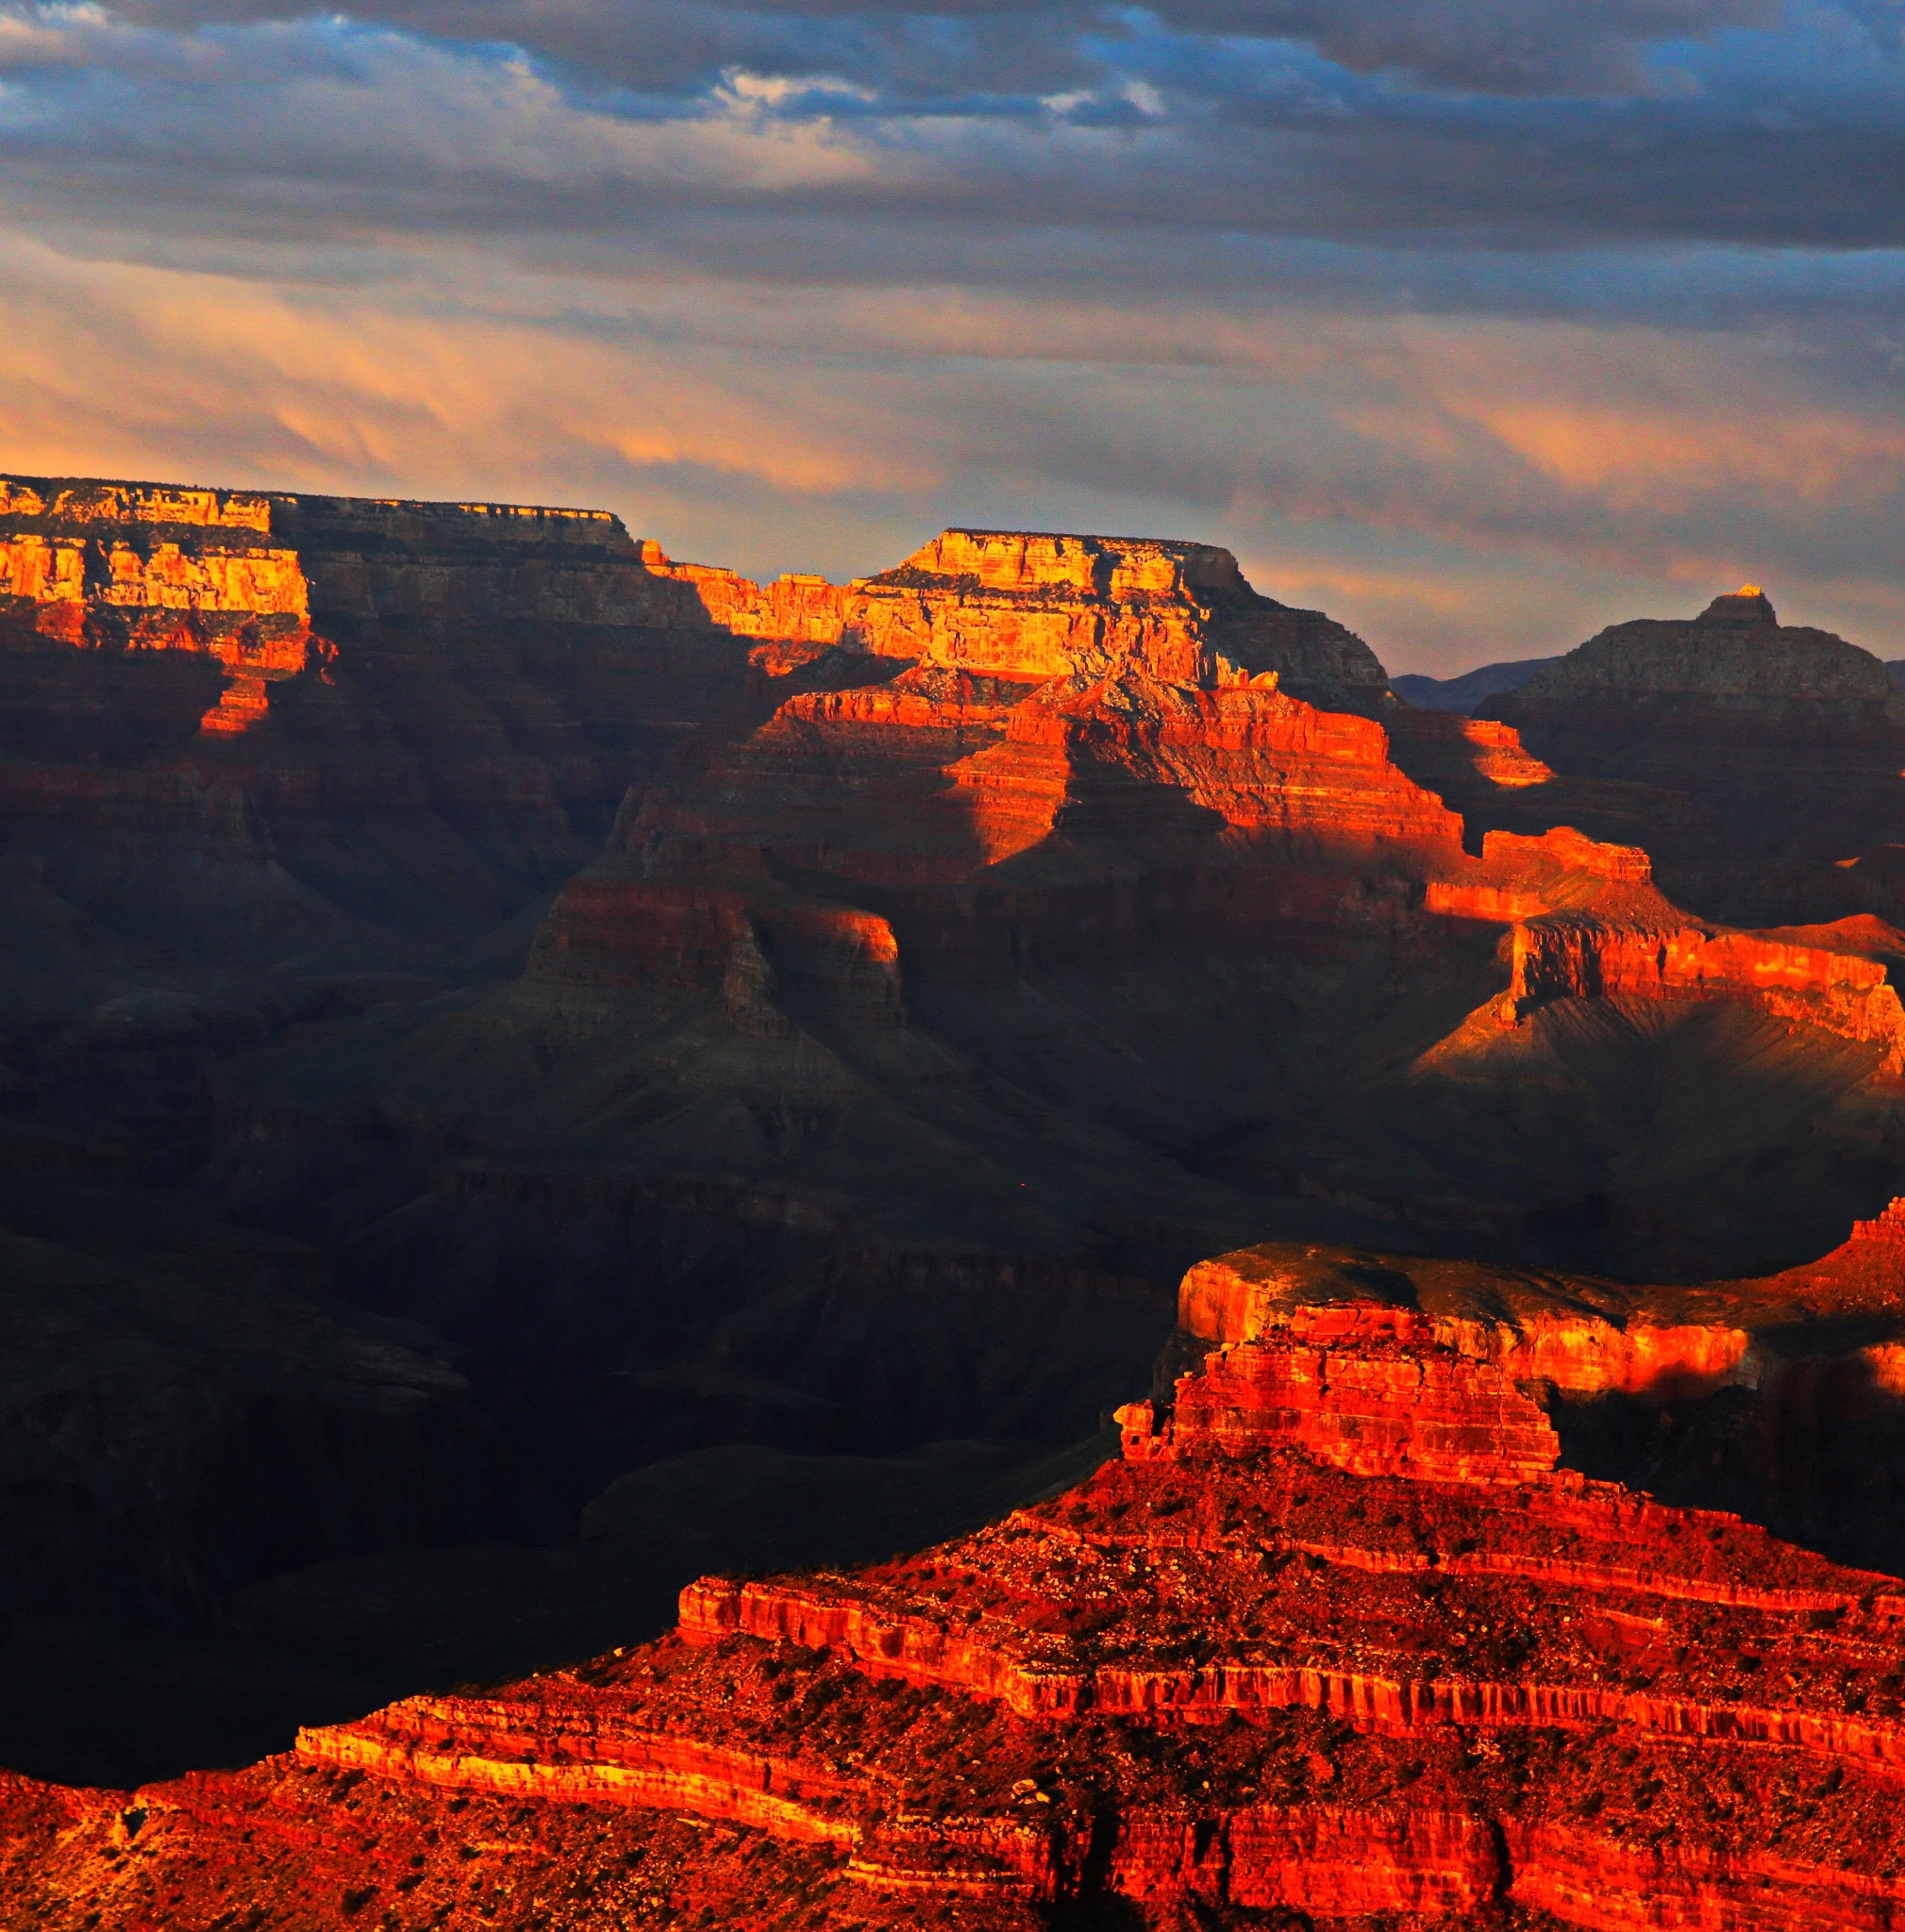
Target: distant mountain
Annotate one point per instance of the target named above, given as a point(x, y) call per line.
point(1894, 668)
point(1465, 693)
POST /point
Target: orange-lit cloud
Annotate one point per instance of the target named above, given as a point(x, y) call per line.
point(1432, 493)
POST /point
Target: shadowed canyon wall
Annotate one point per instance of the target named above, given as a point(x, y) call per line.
point(669, 1015)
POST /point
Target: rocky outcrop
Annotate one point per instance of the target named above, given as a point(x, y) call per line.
point(1222, 1677)
point(1844, 994)
point(1588, 923)
point(1036, 607)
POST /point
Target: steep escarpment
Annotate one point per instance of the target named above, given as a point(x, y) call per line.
point(330, 725)
point(1314, 1648)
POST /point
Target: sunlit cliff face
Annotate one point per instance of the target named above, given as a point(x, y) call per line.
point(1476, 332)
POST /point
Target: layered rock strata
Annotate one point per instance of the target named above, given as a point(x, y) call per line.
point(1227, 1676)
point(118, 568)
point(968, 815)
point(1776, 1396)
point(1587, 922)
point(295, 717)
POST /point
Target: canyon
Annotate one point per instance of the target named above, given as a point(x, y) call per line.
point(533, 1073)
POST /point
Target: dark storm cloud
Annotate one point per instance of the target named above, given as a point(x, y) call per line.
point(1202, 115)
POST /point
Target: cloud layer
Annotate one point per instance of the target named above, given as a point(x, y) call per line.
point(1479, 325)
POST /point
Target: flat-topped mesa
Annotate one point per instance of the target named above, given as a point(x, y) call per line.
point(379, 561)
point(1010, 605)
point(71, 546)
point(1361, 1385)
point(1573, 1333)
point(1036, 605)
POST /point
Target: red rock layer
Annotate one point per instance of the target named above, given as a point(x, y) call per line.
point(1366, 1388)
point(1587, 922)
point(1228, 1676)
point(1572, 1333)
point(1841, 994)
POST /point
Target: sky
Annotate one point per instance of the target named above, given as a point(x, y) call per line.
point(1479, 324)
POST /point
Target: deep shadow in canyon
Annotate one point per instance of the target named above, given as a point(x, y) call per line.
point(532, 1072)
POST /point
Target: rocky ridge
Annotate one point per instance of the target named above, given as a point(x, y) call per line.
point(1333, 1640)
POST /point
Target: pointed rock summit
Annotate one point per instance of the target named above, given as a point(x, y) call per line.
point(1748, 604)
